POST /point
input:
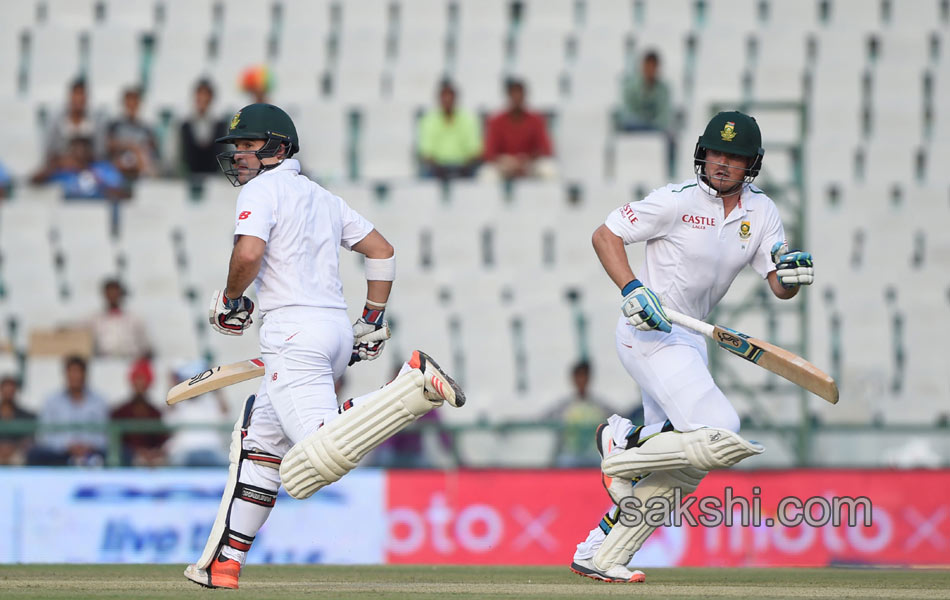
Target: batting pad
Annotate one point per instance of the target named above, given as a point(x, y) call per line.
point(705, 449)
point(334, 450)
point(623, 541)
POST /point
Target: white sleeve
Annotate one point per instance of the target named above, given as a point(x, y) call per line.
point(256, 212)
point(648, 219)
point(355, 226)
point(774, 232)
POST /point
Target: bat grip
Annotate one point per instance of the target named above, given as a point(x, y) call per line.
point(689, 322)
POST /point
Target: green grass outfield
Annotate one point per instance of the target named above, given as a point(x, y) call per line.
point(76, 582)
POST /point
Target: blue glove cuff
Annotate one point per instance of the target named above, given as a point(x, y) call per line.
point(630, 287)
point(229, 303)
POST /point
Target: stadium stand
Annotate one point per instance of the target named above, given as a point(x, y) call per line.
point(500, 279)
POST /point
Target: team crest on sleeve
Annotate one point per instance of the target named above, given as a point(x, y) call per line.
point(235, 119)
point(745, 230)
point(728, 132)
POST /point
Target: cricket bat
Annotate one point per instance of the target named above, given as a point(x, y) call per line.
point(770, 357)
point(216, 378)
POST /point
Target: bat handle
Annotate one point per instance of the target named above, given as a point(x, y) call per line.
point(689, 322)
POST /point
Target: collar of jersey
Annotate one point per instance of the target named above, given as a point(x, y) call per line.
point(710, 193)
point(288, 164)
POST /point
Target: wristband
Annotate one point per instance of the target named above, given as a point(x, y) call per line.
point(630, 287)
point(373, 315)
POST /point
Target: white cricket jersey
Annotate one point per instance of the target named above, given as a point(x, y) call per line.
point(304, 226)
point(693, 254)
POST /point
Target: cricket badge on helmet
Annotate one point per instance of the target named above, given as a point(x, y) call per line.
point(728, 132)
point(234, 121)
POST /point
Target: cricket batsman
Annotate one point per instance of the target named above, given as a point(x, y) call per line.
point(699, 235)
point(287, 237)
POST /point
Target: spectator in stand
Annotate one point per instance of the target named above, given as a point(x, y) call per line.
point(198, 132)
point(192, 446)
point(517, 142)
point(646, 104)
point(258, 83)
point(13, 445)
point(141, 449)
point(81, 176)
point(580, 412)
point(76, 405)
point(115, 331)
point(131, 143)
point(450, 143)
point(75, 121)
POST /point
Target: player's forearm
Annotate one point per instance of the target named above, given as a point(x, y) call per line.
point(378, 291)
point(246, 260)
point(613, 257)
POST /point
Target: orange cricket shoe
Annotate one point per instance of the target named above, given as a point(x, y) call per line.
point(223, 573)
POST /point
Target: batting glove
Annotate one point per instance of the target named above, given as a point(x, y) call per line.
point(643, 309)
point(793, 268)
point(230, 316)
point(370, 333)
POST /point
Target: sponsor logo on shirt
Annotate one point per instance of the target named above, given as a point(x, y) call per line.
point(627, 212)
point(244, 214)
point(745, 230)
point(699, 222)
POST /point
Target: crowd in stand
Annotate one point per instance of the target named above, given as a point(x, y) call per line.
point(90, 156)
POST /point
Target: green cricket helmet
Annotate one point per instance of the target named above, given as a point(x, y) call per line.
point(258, 122)
point(733, 133)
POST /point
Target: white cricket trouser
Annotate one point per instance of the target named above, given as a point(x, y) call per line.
point(673, 374)
point(305, 350)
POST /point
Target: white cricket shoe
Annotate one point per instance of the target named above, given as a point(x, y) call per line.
point(438, 385)
point(615, 574)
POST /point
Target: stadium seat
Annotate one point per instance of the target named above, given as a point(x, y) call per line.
point(595, 72)
point(248, 15)
point(238, 48)
point(386, 148)
point(370, 15)
point(324, 143)
point(191, 16)
point(299, 14)
point(540, 63)
point(478, 15)
point(665, 14)
point(419, 65)
point(179, 59)
point(134, 16)
point(358, 71)
point(423, 17)
point(53, 62)
point(22, 131)
point(731, 15)
point(44, 376)
point(548, 15)
point(83, 234)
point(639, 159)
point(616, 15)
point(73, 14)
point(779, 69)
point(301, 63)
point(477, 66)
point(795, 16)
point(110, 378)
point(854, 14)
point(10, 35)
point(115, 63)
